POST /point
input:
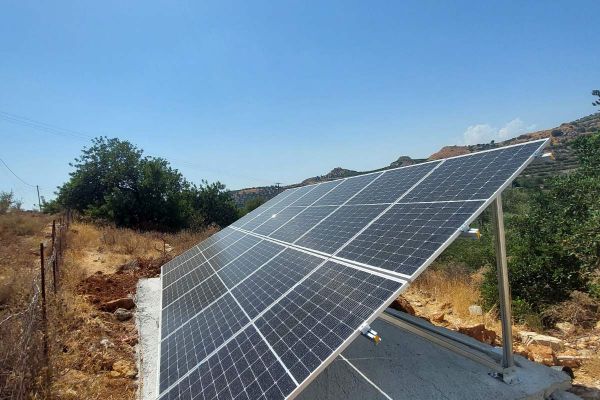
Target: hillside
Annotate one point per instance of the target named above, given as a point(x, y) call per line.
point(561, 138)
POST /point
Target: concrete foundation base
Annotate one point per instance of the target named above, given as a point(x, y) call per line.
point(402, 366)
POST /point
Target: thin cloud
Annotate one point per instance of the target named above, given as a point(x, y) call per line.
point(484, 133)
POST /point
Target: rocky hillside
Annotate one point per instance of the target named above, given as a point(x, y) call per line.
point(561, 137)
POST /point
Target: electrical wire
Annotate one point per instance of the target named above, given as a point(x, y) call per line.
point(16, 176)
point(42, 126)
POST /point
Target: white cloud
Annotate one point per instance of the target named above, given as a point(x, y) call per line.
point(484, 133)
point(481, 133)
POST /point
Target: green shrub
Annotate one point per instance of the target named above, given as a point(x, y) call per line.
point(554, 239)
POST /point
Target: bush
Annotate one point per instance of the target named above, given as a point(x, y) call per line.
point(554, 240)
point(112, 182)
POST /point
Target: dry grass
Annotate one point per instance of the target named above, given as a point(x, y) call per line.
point(21, 224)
point(87, 341)
point(458, 291)
point(591, 367)
point(580, 309)
point(20, 236)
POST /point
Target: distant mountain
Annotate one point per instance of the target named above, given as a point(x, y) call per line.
point(561, 137)
point(335, 173)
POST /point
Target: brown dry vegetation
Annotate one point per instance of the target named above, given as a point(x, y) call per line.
point(93, 354)
point(20, 236)
point(444, 298)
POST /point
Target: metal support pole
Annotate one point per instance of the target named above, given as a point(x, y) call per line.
point(503, 285)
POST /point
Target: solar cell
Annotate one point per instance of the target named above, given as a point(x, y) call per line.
point(277, 219)
point(392, 184)
point(277, 276)
point(249, 262)
point(406, 235)
point(476, 176)
point(305, 301)
point(317, 317)
point(244, 368)
point(339, 227)
point(346, 189)
point(302, 222)
point(194, 340)
point(191, 303)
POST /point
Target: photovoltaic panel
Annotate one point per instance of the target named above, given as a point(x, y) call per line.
point(315, 319)
point(403, 238)
point(216, 238)
point(346, 189)
point(185, 268)
point(339, 227)
point(316, 193)
point(475, 176)
point(299, 290)
point(277, 219)
point(392, 184)
point(193, 341)
point(245, 368)
point(248, 262)
point(191, 303)
point(185, 283)
point(301, 223)
point(222, 244)
point(232, 251)
point(179, 260)
point(262, 288)
point(259, 210)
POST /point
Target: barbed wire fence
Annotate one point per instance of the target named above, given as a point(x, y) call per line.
point(24, 352)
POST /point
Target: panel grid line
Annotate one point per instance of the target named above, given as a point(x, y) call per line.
point(337, 208)
point(390, 206)
point(387, 236)
point(262, 336)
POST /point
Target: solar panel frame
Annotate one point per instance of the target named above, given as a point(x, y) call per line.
point(385, 273)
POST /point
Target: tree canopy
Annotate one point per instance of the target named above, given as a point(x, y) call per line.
point(113, 181)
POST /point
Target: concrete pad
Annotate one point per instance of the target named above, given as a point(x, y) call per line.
point(406, 366)
point(147, 301)
point(402, 366)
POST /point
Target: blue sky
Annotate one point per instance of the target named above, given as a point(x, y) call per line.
point(252, 93)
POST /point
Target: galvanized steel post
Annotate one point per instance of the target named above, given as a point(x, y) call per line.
point(503, 285)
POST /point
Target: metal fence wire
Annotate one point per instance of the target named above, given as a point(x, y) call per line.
point(24, 358)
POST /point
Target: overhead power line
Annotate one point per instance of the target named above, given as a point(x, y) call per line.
point(42, 126)
point(16, 176)
point(70, 133)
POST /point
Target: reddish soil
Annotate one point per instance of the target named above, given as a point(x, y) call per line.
point(101, 288)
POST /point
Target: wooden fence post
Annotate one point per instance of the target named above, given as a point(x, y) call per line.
point(53, 233)
point(44, 315)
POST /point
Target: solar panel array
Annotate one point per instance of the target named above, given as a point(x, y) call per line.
point(259, 308)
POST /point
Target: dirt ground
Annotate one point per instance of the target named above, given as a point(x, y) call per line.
point(92, 351)
point(445, 301)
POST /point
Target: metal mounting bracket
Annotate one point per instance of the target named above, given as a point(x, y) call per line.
point(368, 332)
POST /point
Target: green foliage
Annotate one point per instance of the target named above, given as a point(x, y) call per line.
point(554, 238)
point(251, 204)
point(596, 93)
point(214, 204)
point(9, 203)
point(6, 199)
point(112, 181)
